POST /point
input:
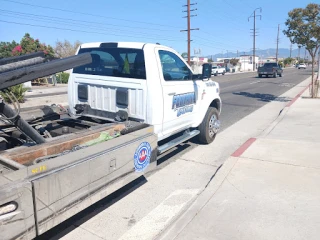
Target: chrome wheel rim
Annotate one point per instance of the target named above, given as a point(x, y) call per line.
point(214, 126)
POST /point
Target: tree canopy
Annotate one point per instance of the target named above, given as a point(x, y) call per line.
point(64, 48)
point(303, 28)
point(26, 45)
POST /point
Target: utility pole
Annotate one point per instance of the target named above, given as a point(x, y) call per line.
point(189, 25)
point(290, 49)
point(299, 53)
point(277, 53)
point(254, 35)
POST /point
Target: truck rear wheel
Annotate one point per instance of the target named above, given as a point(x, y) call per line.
point(210, 126)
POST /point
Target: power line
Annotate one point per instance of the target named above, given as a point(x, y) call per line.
point(213, 47)
point(210, 41)
point(87, 14)
point(74, 30)
point(210, 34)
point(58, 21)
point(75, 20)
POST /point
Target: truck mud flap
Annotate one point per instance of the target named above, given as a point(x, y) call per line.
point(65, 191)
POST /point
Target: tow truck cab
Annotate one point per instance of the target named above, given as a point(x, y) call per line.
point(142, 82)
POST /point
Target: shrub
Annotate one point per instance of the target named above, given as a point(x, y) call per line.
point(18, 91)
point(63, 77)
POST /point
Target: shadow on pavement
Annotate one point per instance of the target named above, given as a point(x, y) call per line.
point(262, 97)
point(75, 221)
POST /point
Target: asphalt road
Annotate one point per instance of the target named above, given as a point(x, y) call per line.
point(244, 93)
point(241, 95)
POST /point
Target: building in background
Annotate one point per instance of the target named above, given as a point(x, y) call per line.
point(246, 62)
point(196, 63)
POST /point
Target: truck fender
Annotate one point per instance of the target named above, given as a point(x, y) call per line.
point(216, 103)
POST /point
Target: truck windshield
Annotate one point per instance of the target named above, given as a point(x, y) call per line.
point(270, 65)
point(115, 62)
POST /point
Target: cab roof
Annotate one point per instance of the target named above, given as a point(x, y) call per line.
point(137, 45)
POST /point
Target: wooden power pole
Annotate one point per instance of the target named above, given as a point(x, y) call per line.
point(189, 25)
point(254, 35)
point(277, 53)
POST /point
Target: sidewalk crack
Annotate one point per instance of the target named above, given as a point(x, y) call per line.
point(206, 164)
point(289, 164)
point(236, 187)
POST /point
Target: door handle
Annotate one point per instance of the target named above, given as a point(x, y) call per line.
point(173, 93)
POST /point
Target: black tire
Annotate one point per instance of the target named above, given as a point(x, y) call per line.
point(223, 73)
point(275, 75)
point(206, 136)
point(216, 74)
point(260, 75)
point(280, 75)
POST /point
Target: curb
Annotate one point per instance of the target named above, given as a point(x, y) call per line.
point(199, 203)
point(282, 114)
point(243, 147)
point(297, 97)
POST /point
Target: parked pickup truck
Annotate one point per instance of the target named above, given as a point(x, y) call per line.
point(216, 70)
point(270, 69)
point(123, 101)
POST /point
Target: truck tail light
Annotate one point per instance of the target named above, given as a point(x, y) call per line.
point(8, 208)
point(83, 92)
point(122, 97)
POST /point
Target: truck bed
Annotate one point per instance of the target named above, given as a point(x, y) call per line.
point(49, 191)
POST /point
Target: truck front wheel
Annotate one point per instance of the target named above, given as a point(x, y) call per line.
point(210, 126)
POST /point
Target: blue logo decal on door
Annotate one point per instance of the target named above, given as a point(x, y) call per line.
point(183, 103)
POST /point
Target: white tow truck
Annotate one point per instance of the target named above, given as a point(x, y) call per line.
point(130, 97)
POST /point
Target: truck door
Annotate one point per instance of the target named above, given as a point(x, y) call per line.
point(179, 92)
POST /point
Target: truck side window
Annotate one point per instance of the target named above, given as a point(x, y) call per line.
point(173, 68)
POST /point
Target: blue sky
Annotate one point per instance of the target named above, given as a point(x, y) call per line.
point(223, 24)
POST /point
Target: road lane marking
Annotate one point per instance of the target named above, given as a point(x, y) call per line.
point(254, 82)
point(161, 216)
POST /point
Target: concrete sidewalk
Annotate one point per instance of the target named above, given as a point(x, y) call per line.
point(268, 189)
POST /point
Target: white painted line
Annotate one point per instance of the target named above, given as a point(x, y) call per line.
point(161, 216)
point(255, 82)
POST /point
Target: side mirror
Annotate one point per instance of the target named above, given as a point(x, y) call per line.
point(206, 71)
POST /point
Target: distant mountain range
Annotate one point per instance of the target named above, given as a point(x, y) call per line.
point(271, 52)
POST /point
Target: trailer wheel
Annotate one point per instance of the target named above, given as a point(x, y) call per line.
point(210, 126)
